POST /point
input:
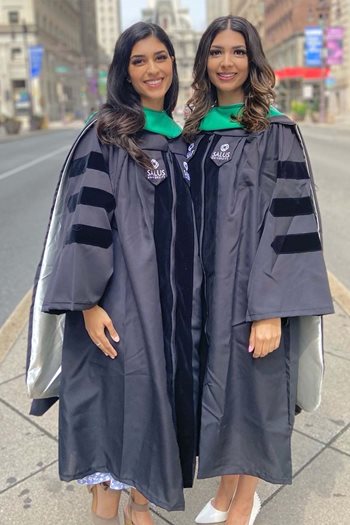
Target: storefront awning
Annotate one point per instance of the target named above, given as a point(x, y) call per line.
point(308, 73)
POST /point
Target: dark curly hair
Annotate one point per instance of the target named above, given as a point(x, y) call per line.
point(258, 88)
point(121, 118)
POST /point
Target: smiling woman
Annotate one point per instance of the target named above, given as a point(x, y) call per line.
point(120, 265)
point(151, 72)
point(228, 66)
point(264, 273)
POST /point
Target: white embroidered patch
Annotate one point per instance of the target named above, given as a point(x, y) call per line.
point(186, 174)
point(156, 175)
point(223, 154)
point(190, 150)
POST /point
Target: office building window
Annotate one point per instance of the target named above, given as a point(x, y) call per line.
point(15, 53)
point(13, 17)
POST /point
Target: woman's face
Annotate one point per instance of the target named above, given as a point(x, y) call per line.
point(228, 66)
point(151, 71)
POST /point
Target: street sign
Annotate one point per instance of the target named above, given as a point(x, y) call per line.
point(334, 39)
point(313, 45)
point(35, 60)
point(308, 91)
point(62, 69)
point(330, 82)
point(22, 100)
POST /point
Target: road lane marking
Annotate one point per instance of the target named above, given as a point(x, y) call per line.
point(23, 167)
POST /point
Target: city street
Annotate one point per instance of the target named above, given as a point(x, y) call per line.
point(330, 158)
point(26, 196)
point(26, 191)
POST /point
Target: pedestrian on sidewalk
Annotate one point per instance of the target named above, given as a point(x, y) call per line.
point(264, 272)
point(119, 263)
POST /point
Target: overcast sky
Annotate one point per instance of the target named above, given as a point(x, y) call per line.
point(131, 11)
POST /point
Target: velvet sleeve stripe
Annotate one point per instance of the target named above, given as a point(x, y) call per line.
point(92, 197)
point(297, 243)
point(289, 169)
point(90, 235)
point(291, 207)
point(94, 161)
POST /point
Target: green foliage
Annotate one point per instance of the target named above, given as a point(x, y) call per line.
point(299, 108)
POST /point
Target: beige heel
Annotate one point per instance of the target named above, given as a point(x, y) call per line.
point(97, 520)
point(131, 505)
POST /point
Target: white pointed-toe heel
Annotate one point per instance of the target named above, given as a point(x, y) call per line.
point(209, 514)
point(256, 509)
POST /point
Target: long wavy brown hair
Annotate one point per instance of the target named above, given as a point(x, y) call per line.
point(121, 119)
point(258, 88)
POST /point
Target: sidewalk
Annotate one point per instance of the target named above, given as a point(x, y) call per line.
point(31, 493)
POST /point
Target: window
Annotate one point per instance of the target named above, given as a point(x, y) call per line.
point(13, 17)
point(15, 53)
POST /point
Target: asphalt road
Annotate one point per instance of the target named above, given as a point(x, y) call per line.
point(25, 203)
point(330, 158)
point(26, 191)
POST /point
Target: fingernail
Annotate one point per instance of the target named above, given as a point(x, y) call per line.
point(250, 349)
point(116, 339)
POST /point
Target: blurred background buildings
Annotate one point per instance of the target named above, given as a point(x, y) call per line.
point(307, 43)
point(54, 54)
point(177, 23)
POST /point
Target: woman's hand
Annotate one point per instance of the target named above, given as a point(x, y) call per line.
point(96, 322)
point(265, 337)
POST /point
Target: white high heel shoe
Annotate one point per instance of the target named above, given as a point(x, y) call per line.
point(209, 514)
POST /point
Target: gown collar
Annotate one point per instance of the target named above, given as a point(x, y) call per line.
point(220, 117)
point(159, 122)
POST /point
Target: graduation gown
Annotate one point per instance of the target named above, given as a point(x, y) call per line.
point(122, 237)
point(261, 254)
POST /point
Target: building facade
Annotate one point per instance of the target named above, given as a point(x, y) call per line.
point(216, 8)
point(252, 10)
point(284, 44)
point(177, 23)
point(54, 85)
point(108, 20)
point(90, 54)
point(338, 89)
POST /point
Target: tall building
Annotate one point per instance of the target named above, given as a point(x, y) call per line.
point(177, 23)
point(252, 10)
point(108, 27)
point(42, 59)
point(285, 23)
point(90, 52)
point(216, 8)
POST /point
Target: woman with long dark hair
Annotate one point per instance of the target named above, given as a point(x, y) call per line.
point(265, 283)
point(119, 263)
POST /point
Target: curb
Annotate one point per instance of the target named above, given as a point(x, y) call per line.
point(14, 325)
point(17, 321)
point(340, 293)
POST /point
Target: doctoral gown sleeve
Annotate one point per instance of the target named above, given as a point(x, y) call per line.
point(288, 276)
point(84, 262)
